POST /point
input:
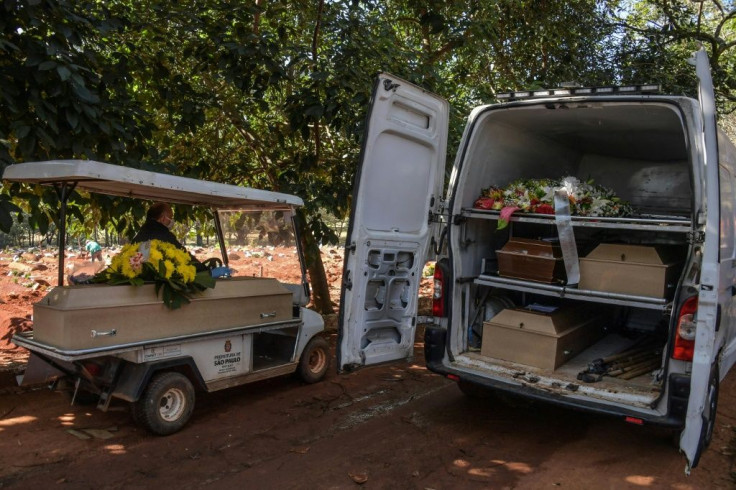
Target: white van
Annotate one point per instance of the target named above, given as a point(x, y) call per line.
point(634, 317)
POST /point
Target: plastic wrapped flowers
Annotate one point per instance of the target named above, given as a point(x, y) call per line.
point(161, 263)
point(537, 196)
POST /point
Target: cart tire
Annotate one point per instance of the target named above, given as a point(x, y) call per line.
point(166, 404)
point(314, 361)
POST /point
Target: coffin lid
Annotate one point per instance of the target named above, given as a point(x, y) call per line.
point(633, 254)
point(553, 323)
point(527, 246)
point(105, 296)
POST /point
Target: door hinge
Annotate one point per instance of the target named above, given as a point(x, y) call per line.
point(351, 248)
point(695, 237)
point(423, 320)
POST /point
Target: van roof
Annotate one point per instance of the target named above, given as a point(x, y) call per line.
point(115, 180)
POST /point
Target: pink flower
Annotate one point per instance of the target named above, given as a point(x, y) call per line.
point(483, 203)
point(136, 262)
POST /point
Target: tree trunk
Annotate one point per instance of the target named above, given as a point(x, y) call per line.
point(317, 276)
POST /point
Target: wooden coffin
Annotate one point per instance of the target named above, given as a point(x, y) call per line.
point(89, 316)
point(631, 269)
point(534, 260)
point(543, 340)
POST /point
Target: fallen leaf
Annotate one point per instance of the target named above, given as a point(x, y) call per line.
point(99, 433)
point(359, 478)
point(78, 434)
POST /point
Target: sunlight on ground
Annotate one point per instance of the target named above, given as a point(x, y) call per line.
point(512, 466)
point(640, 480)
point(116, 449)
point(67, 419)
point(416, 367)
point(25, 419)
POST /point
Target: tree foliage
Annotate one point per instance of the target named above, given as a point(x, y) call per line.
point(273, 94)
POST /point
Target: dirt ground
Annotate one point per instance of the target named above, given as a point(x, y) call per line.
point(392, 426)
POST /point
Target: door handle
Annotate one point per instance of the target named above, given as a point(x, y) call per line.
point(109, 333)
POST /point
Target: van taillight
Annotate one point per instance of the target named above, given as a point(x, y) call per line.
point(438, 298)
point(685, 336)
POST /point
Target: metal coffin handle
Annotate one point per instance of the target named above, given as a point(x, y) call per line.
point(268, 315)
point(109, 333)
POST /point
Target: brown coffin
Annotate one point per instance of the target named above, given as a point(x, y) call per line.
point(82, 317)
point(543, 340)
point(535, 260)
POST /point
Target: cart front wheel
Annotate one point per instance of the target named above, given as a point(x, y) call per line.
point(166, 404)
point(315, 360)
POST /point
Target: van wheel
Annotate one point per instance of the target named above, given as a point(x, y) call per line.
point(166, 404)
point(711, 408)
point(709, 415)
point(314, 361)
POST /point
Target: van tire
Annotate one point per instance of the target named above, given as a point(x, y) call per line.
point(314, 361)
point(166, 404)
point(709, 413)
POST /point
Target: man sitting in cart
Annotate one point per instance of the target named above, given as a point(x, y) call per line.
point(158, 225)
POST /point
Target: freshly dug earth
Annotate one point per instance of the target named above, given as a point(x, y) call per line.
point(392, 426)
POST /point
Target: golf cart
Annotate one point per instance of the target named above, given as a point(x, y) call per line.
point(121, 341)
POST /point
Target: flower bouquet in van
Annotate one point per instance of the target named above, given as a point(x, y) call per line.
point(537, 196)
point(162, 264)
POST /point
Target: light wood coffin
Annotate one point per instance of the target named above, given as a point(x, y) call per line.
point(630, 269)
point(82, 317)
point(543, 340)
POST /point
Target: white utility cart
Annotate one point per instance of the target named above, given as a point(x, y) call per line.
point(123, 342)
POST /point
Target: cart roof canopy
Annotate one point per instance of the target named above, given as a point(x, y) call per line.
point(104, 178)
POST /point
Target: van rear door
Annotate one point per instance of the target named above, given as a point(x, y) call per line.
point(397, 187)
point(703, 389)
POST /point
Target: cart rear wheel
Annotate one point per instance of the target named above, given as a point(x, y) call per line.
point(166, 404)
point(315, 360)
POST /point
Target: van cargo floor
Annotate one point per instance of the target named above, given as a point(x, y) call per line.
point(641, 391)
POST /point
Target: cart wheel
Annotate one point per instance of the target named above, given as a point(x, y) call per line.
point(315, 360)
point(166, 404)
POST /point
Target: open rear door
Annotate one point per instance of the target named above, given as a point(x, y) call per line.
point(703, 388)
point(397, 187)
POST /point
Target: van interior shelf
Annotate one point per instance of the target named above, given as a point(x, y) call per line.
point(677, 224)
point(572, 292)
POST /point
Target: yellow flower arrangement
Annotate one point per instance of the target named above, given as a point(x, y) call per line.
point(161, 263)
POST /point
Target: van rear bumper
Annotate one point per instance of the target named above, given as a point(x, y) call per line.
point(434, 353)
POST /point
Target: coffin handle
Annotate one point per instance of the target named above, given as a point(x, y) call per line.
point(109, 333)
point(268, 315)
